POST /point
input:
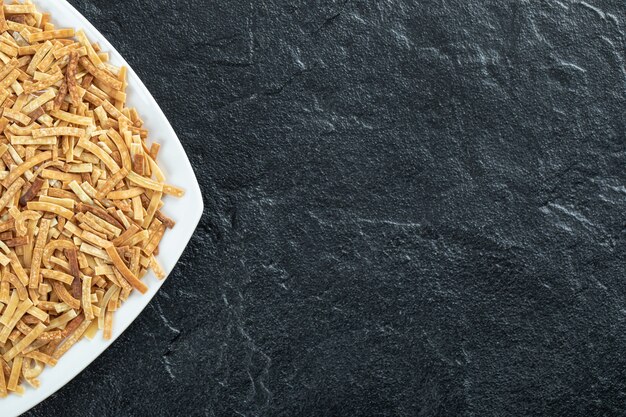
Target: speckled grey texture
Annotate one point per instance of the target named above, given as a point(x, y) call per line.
point(412, 208)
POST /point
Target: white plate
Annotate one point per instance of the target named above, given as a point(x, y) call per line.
point(185, 211)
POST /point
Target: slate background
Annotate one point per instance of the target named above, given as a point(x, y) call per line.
point(412, 208)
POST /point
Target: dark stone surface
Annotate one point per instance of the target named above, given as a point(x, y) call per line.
point(412, 208)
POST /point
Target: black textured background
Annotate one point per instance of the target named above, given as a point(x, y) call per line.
point(412, 208)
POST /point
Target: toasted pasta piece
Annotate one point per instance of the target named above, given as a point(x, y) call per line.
point(72, 118)
point(59, 131)
point(61, 292)
point(100, 154)
point(41, 357)
point(50, 207)
point(57, 275)
point(25, 166)
point(144, 182)
point(25, 342)
point(12, 385)
point(123, 269)
point(32, 191)
point(111, 183)
point(50, 34)
point(72, 339)
point(125, 194)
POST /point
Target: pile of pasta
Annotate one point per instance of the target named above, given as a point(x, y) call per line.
point(80, 197)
